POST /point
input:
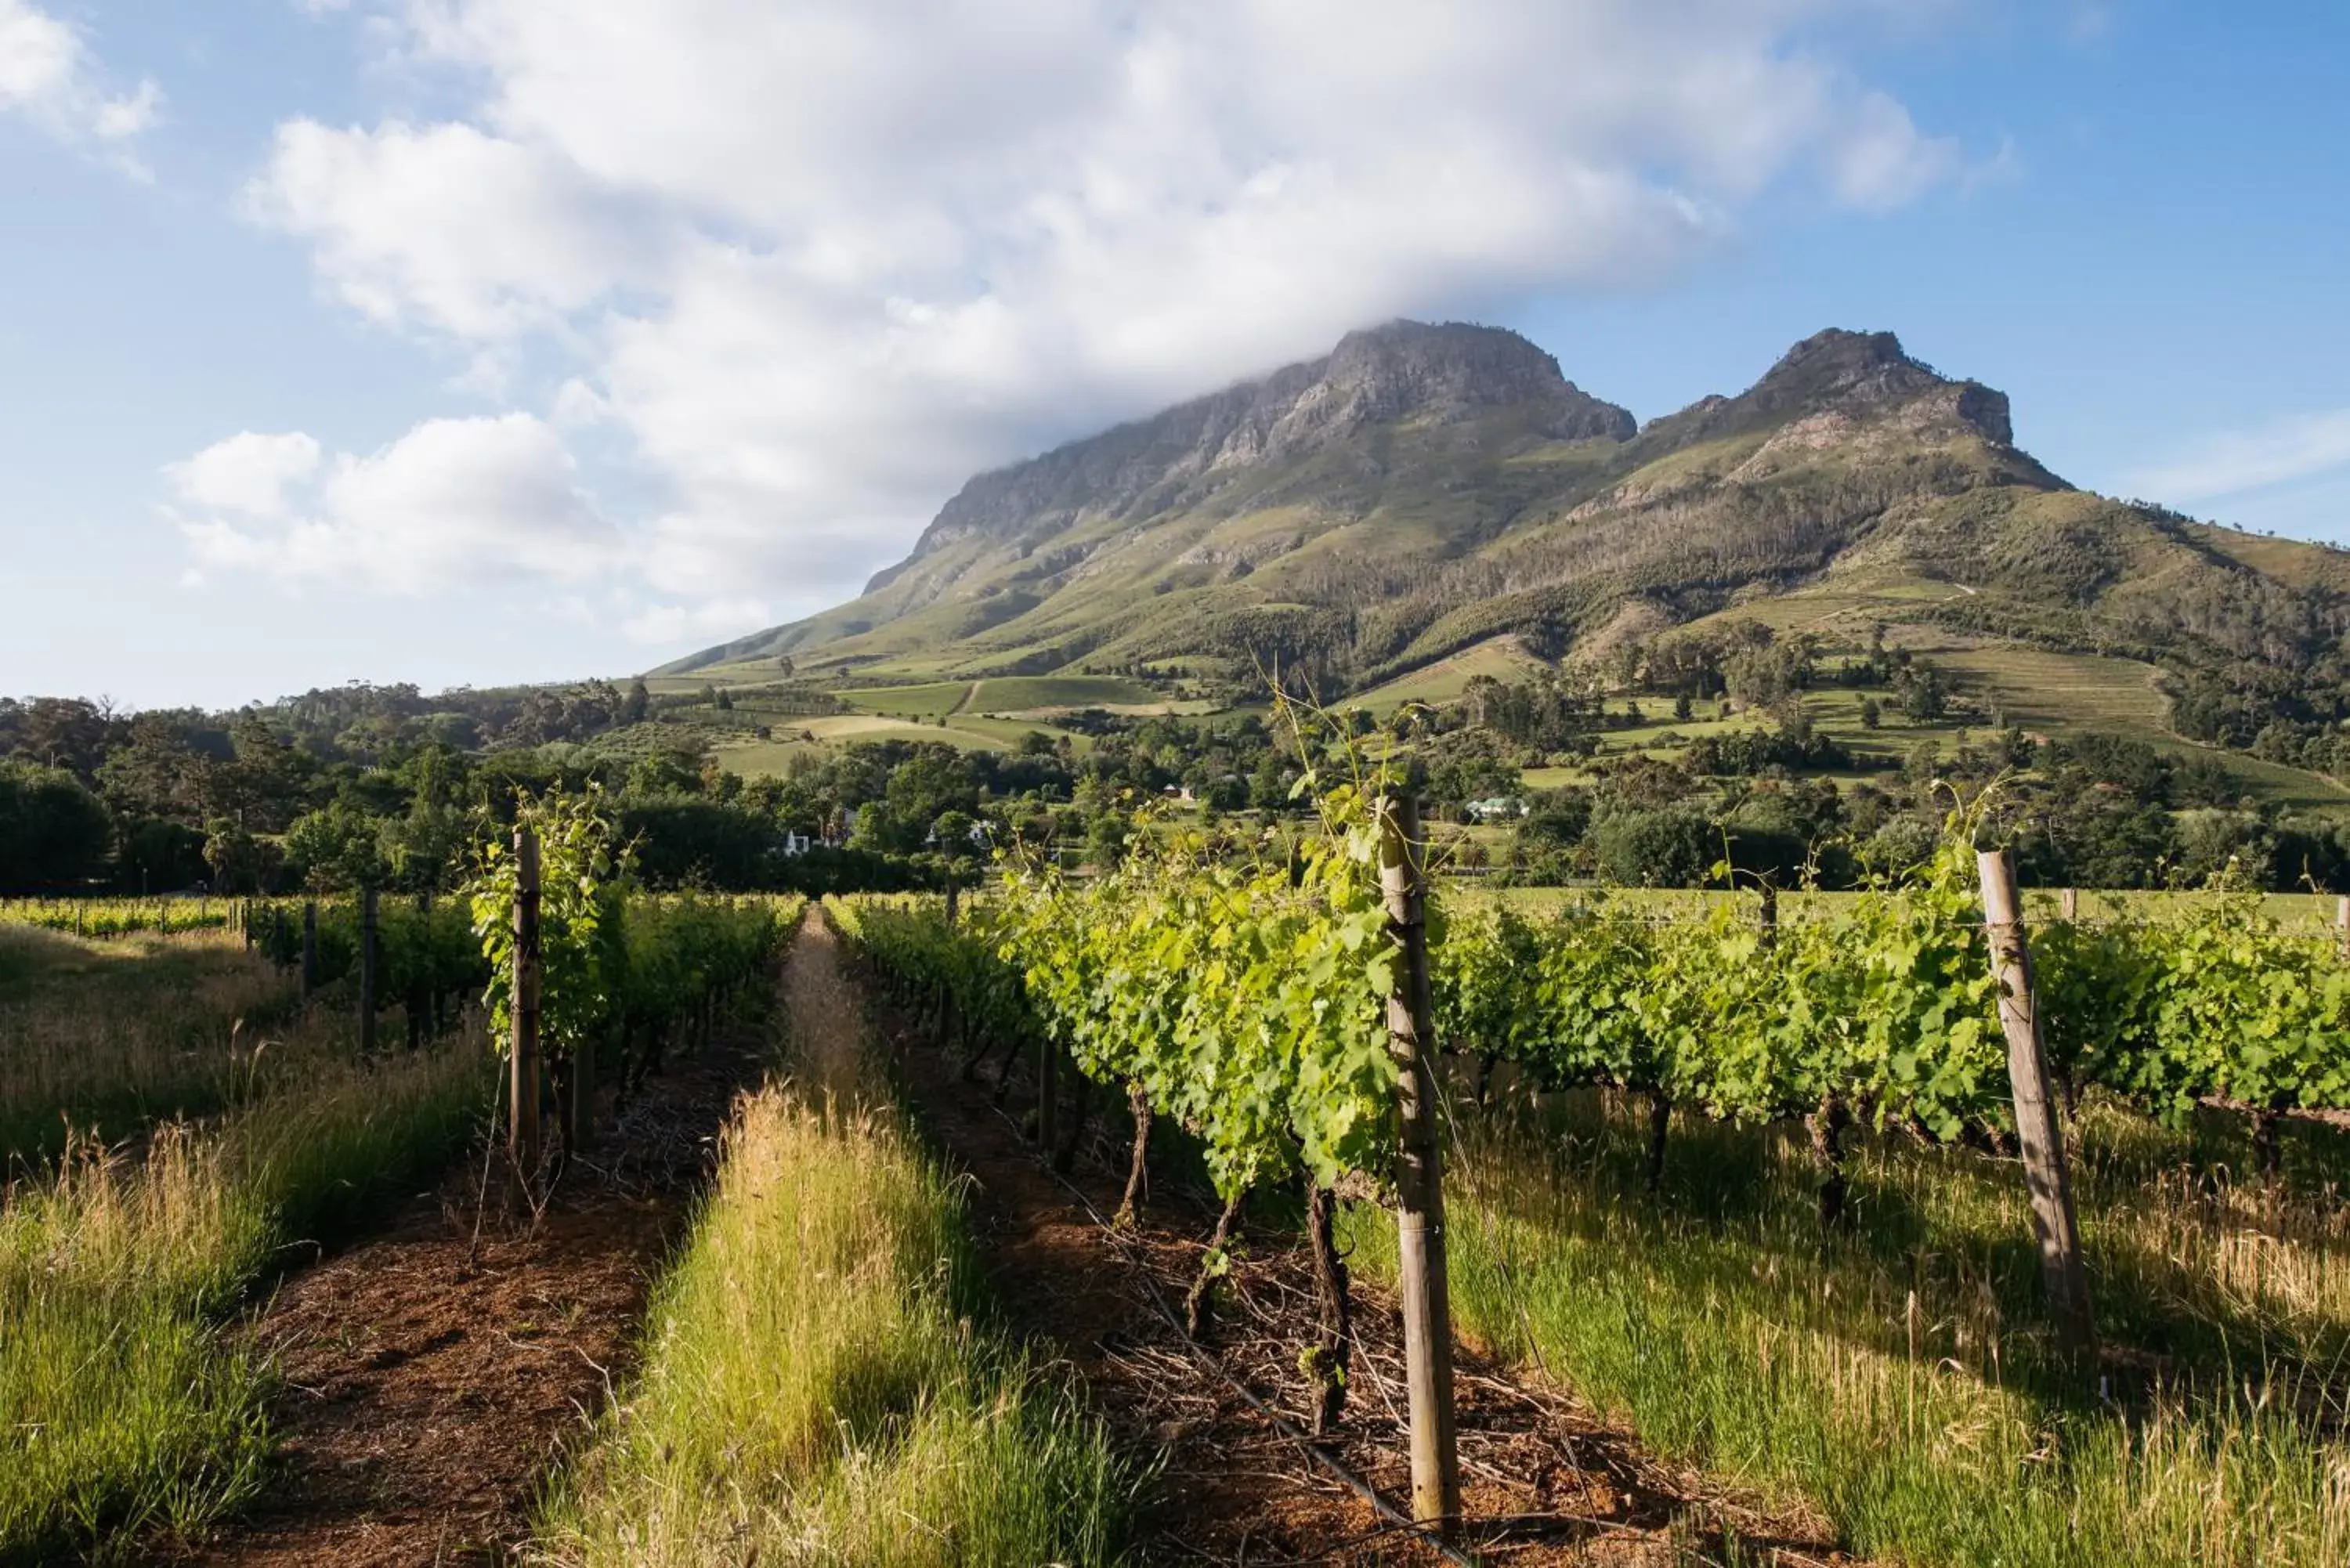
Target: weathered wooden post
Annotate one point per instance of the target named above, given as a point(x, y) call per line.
point(1419, 1180)
point(1048, 1093)
point(419, 994)
point(1770, 915)
point(2342, 923)
point(2045, 1168)
point(523, 1129)
point(2068, 904)
point(579, 1104)
point(367, 975)
point(309, 947)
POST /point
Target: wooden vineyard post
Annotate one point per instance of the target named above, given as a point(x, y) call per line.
point(309, 947)
point(579, 1104)
point(522, 1130)
point(1048, 1091)
point(418, 996)
point(1770, 916)
point(2049, 1183)
point(1419, 1182)
point(367, 975)
point(2341, 924)
point(2068, 904)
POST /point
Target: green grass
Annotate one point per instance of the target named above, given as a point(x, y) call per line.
point(106, 1035)
point(1026, 693)
point(814, 1390)
point(1897, 1379)
point(933, 700)
point(1502, 658)
point(130, 1410)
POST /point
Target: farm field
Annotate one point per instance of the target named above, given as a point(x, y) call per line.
point(1503, 658)
point(1747, 1198)
point(1029, 693)
point(872, 1177)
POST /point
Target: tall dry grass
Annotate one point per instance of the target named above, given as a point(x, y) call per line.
point(104, 1036)
point(819, 1385)
point(130, 1406)
point(1900, 1380)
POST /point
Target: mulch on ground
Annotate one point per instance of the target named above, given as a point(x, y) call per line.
point(433, 1376)
point(1544, 1480)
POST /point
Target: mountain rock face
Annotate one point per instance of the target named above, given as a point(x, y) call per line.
point(1422, 488)
point(1404, 371)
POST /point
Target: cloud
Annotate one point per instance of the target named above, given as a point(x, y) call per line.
point(248, 475)
point(807, 268)
point(476, 236)
point(454, 503)
point(2304, 446)
point(48, 76)
point(712, 621)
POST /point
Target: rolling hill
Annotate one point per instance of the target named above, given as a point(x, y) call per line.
point(1396, 506)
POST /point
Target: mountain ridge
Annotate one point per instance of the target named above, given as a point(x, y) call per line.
point(1422, 487)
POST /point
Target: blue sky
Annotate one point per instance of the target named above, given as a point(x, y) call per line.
point(469, 341)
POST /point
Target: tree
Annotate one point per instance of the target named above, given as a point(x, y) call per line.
point(1871, 716)
point(1105, 841)
point(636, 704)
point(53, 832)
point(337, 849)
point(1671, 847)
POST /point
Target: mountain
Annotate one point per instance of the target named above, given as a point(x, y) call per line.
point(1424, 489)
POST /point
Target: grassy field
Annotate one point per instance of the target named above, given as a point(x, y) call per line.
point(932, 699)
point(756, 759)
point(1502, 658)
point(106, 1035)
point(128, 1408)
point(815, 1389)
point(1896, 1377)
point(1032, 694)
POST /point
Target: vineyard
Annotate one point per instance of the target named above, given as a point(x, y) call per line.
point(1948, 1225)
point(1839, 1087)
point(241, 1054)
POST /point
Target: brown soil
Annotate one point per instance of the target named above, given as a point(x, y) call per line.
point(433, 1375)
point(1545, 1481)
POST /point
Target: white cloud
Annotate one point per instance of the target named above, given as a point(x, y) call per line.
point(812, 266)
point(712, 621)
point(248, 474)
point(476, 236)
point(2302, 446)
point(454, 503)
point(49, 74)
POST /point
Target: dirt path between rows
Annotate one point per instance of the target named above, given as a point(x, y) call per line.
point(433, 1376)
point(1231, 1490)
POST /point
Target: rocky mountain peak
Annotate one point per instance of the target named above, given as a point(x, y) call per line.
point(1856, 375)
point(1849, 369)
point(1407, 368)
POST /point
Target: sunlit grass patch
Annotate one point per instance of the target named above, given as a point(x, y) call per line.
point(815, 1388)
point(1900, 1379)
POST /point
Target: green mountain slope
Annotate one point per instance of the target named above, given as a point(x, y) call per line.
point(1424, 489)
